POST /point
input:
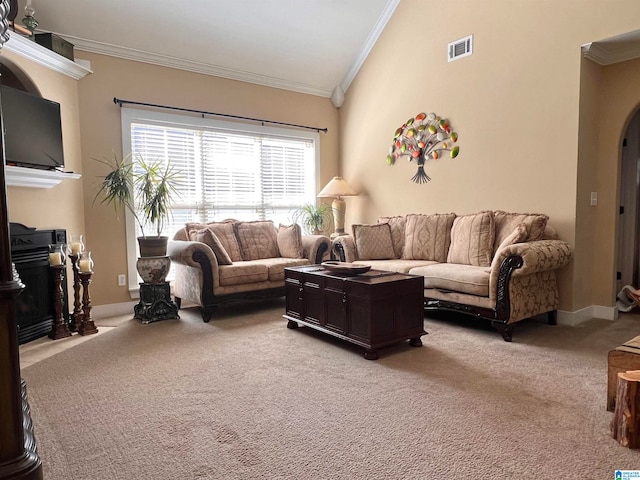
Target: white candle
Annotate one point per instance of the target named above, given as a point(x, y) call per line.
point(55, 258)
point(84, 266)
point(76, 248)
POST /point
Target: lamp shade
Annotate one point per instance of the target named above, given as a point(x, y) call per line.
point(337, 188)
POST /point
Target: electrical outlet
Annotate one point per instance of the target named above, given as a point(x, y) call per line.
point(122, 280)
point(594, 199)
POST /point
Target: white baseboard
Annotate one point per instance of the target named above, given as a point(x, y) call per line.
point(112, 310)
point(587, 313)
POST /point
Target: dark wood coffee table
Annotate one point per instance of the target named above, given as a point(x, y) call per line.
point(374, 309)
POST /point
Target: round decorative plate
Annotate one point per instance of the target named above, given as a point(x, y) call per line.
point(347, 268)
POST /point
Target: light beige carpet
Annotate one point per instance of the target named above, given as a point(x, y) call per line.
point(243, 397)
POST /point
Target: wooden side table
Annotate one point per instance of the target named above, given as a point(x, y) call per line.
point(622, 358)
point(155, 303)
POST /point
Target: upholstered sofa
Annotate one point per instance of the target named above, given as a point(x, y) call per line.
point(220, 262)
point(494, 265)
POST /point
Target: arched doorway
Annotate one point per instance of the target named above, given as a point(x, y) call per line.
point(628, 259)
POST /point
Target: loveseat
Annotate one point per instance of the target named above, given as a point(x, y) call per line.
point(231, 260)
point(494, 265)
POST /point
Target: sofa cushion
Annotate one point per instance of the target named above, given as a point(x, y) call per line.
point(243, 272)
point(373, 242)
point(257, 239)
point(209, 238)
point(472, 239)
point(397, 225)
point(427, 237)
point(276, 266)
point(456, 278)
point(289, 240)
point(226, 235)
point(398, 265)
point(505, 223)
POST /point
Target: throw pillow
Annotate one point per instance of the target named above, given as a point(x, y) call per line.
point(290, 241)
point(506, 222)
point(519, 234)
point(472, 239)
point(257, 239)
point(397, 225)
point(373, 242)
point(209, 238)
point(226, 236)
point(427, 237)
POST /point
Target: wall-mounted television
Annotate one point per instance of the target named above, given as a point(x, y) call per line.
point(32, 130)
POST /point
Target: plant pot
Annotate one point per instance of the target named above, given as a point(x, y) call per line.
point(153, 246)
point(153, 269)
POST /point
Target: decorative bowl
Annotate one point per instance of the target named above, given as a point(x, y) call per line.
point(345, 268)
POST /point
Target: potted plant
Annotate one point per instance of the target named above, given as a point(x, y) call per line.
point(151, 186)
point(313, 218)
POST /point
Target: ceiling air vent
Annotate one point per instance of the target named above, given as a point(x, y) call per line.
point(460, 48)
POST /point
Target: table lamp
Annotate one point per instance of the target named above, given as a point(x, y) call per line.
point(336, 189)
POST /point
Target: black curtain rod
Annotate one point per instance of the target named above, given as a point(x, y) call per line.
point(120, 102)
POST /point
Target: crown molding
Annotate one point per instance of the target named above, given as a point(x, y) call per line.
point(369, 43)
point(190, 66)
point(38, 54)
point(604, 53)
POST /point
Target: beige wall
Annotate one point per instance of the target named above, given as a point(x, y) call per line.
point(101, 133)
point(515, 104)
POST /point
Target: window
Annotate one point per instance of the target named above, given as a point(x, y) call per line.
point(227, 170)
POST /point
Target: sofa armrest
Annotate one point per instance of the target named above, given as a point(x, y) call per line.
point(196, 271)
point(182, 252)
point(537, 256)
point(314, 247)
point(344, 247)
point(521, 259)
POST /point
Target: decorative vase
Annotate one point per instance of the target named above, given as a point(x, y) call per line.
point(153, 269)
point(153, 246)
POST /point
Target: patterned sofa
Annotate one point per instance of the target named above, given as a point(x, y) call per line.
point(494, 265)
point(220, 262)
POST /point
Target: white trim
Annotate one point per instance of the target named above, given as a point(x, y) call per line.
point(579, 316)
point(191, 66)
point(36, 178)
point(369, 43)
point(112, 310)
point(43, 56)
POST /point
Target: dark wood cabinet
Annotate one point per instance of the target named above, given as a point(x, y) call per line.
point(373, 310)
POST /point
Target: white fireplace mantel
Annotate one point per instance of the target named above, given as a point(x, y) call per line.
point(35, 178)
point(42, 55)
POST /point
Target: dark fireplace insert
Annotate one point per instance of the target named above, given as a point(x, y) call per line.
point(35, 305)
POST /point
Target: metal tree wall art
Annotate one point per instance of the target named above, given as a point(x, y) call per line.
point(422, 138)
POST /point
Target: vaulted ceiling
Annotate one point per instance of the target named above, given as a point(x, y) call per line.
point(309, 46)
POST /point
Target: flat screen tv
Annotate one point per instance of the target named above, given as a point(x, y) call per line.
point(32, 130)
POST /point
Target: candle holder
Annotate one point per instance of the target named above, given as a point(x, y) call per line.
point(85, 262)
point(76, 244)
point(60, 329)
point(87, 327)
point(57, 254)
point(76, 316)
point(30, 21)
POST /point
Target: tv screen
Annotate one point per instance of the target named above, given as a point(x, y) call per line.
point(32, 130)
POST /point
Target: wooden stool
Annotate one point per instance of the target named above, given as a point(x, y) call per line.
point(624, 358)
point(625, 426)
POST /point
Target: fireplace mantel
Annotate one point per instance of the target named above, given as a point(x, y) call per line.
point(35, 178)
point(42, 55)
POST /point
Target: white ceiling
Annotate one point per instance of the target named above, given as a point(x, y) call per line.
point(309, 46)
